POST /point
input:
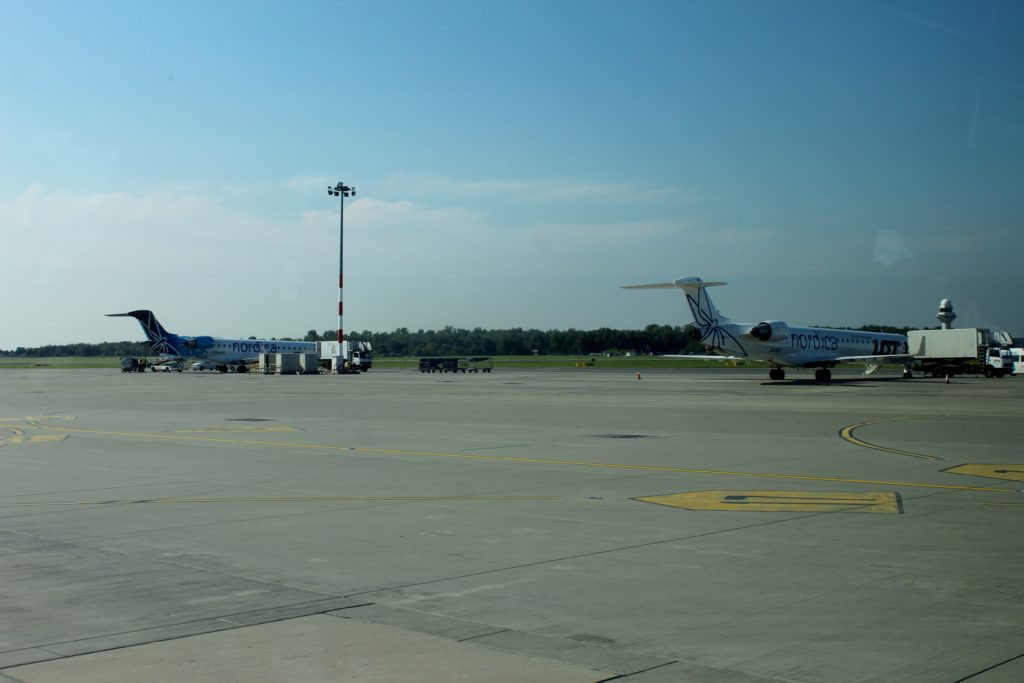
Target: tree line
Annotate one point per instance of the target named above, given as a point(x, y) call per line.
point(123, 348)
point(452, 341)
point(448, 341)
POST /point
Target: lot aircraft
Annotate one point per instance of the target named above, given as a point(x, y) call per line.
point(782, 345)
point(227, 354)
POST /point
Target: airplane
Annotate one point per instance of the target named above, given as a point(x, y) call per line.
point(781, 345)
point(227, 354)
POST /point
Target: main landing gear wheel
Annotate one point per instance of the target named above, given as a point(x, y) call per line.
point(776, 373)
point(823, 374)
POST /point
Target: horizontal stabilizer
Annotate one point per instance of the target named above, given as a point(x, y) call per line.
point(681, 283)
point(660, 285)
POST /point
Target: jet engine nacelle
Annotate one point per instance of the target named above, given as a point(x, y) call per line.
point(198, 342)
point(771, 330)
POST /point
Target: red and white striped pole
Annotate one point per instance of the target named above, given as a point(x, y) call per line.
point(341, 191)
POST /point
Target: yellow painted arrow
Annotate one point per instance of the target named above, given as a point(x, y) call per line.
point(973, 469)
point(782, 501)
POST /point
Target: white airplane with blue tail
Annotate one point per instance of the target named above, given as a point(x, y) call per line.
point(782, 345)
point(226, 354)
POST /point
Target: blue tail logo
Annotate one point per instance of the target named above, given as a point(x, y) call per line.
point(707, 318)
point(709, 321)
point(161, 341)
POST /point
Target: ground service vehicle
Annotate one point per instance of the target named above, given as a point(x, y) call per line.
point(971, 350)
point(1018, 360)
point(455, 364)
point(173, 365)
point(346, 357)
point(439, 364)
point(478, 364)
point(133, 365)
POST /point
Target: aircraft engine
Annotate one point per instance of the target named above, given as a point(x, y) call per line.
point(771, 330)
point(198, 342)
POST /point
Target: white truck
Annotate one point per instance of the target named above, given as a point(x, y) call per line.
point(346, 357)
point(1018, 360)
point(971, 350)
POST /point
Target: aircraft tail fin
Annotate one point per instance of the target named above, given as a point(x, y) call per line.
point(705, 315)
point(159, 338)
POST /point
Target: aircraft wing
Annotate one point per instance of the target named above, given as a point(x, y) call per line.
point(891, 358)
point(700, 357)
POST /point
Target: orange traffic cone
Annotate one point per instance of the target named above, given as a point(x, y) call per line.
point(638, 374)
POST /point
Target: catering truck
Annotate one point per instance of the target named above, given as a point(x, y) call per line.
point(970, 350)
point(346, 357)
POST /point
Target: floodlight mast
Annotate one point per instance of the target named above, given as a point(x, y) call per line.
point(341, 191)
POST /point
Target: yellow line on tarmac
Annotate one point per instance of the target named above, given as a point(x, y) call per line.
point(537, 461)
point(293, 499)
point(847, 434)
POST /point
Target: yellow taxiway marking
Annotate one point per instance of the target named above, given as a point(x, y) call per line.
point(292, 499)
point(14, 435)
point(36, 438)
point(971, 469)
point(537, 461)
point(238, 430)
point(18, 436)
point(1004, 505)
point(782, 501)
point(847, 434)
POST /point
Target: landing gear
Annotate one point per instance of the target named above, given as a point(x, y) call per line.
point(823, 374)
point(908, 373)
point(776, 373)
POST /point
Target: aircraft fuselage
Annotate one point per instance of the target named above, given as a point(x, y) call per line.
point(806, 346)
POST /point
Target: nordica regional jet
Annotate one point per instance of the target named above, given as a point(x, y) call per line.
point(780, 344)
point(225, 353)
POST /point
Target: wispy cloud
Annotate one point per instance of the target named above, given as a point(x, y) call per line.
point(309, 183)
point(90, 252)
point(921, 21)
point(529, 190)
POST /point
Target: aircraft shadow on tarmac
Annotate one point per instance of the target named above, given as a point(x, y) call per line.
point(852, 382)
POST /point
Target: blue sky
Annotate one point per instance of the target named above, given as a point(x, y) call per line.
point(836, 163)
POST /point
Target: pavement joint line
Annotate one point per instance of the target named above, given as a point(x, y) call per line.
point(991, 668)
point(540, 461)
point(225, 618)
point(846, 433)
point(796, 517)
